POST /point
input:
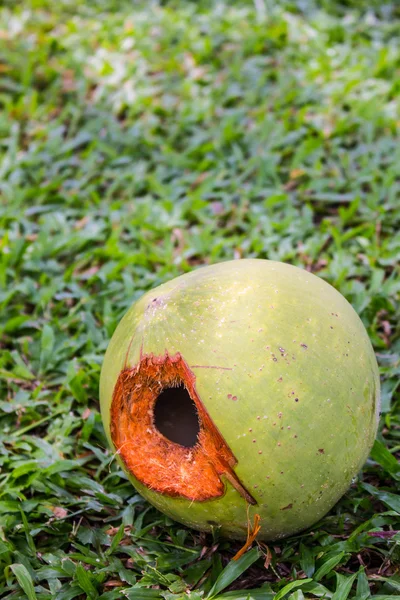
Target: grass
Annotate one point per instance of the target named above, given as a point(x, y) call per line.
point(138, 141)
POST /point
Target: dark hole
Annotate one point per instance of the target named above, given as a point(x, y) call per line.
point(175, 416)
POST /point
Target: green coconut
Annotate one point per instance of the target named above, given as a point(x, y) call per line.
point(244, 388)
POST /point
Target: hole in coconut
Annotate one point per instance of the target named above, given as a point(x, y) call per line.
point(175, 416)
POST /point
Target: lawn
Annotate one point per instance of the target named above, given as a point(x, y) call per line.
point(139, 141)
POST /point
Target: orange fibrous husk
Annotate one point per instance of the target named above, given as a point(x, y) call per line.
point(160, 464)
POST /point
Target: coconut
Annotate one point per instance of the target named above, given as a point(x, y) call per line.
point(244, 388)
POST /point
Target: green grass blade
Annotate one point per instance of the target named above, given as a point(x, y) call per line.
point(233, 570)
point(24, 580)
